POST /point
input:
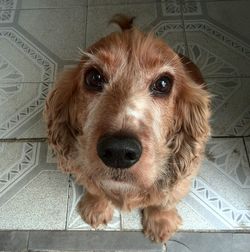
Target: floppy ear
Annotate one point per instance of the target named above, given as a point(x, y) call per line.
point(61, 116)
point(191, 122)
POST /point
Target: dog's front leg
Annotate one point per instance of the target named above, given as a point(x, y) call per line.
point(95, 210)
point(159, 223)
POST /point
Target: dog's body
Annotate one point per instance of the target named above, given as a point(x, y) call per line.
point(131, 123)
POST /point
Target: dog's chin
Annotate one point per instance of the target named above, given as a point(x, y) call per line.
point(118, 185)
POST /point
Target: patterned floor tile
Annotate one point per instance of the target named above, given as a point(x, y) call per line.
point(74, 220)
point(217, 49)
point(98, 27)
point(21, 60)
point(223, 185)
point(7, 12)
point(21, 107)
point(33, 194)
point(230, 106)
point(177, 7)
point(225, 13)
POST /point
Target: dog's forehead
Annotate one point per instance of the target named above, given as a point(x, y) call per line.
point(133, 49)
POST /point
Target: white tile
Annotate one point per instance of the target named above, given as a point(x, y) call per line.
point(218, 52)
point(132, 220)
point(21, 107)
point(230, 106)
point(61, 31)
point(21, 60)
point(41, 204)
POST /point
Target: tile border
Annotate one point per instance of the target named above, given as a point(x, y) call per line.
point(116, 241)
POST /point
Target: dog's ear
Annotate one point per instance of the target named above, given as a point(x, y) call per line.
point(191, 121)
point(61, 115)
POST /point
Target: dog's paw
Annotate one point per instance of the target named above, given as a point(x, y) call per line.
point(95, 211)
point(158, 224)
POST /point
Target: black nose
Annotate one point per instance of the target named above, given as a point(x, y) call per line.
point(119, 151)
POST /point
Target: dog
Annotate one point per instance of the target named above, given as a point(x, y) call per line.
point(130, 122)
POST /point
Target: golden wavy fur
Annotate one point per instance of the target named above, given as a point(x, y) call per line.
point(172, 129)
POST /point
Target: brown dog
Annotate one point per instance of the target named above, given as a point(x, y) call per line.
point(130, 122)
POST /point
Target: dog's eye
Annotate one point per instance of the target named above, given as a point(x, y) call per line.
point(161, 86)
point(94, 80)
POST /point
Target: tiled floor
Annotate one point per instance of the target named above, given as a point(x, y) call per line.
point(39, 38)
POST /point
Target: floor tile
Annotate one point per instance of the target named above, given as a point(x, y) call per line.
point(96, 241)
point(74, 220)
point(98, 27)
point(59, 31)
point(219, 49)
point(21, 107)
point(21, 59)
point(35, 44)
point(131, 220)
point(221, 191)
point(226, 12)
point(230, 106)
point(33, 194)
point(200, 242)
point(241, 242)
point(13, 240)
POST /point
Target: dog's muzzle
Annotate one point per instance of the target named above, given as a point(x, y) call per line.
point(119, 151)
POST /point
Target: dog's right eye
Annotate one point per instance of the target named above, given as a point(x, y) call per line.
point(94, 80)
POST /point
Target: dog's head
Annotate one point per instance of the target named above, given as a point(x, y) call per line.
point(134, 112)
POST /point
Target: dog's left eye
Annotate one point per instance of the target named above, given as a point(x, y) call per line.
point(161, 86)
point(94, 80)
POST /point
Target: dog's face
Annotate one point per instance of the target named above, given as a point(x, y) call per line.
point(129, 86)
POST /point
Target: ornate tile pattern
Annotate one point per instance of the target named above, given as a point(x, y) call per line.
point(175, 7)
point(27, 182)
point(7, 12)
point(17, 47)
point(16, 112)
point(8, 72)
point(224, 45)
point(230, 106)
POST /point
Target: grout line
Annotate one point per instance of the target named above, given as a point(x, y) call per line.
point(21, 140)
point(27, 82)
point(67, 212)
point(248, 158)
point(28, 242)
point(184, 30)
point(86, 24)
point(228, 137)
